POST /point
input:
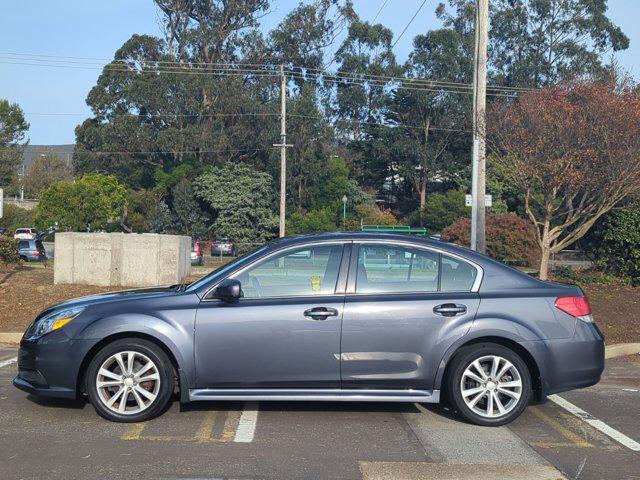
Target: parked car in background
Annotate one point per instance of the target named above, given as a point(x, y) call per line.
point(223, 246)
point(2, 231)
point(360, 317)
point(196, 253)
point(32, 251)
point(25, 234)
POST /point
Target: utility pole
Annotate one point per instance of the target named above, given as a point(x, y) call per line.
point(478, 181)
point(283, 149)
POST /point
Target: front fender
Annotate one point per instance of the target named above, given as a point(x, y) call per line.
point(175, 336)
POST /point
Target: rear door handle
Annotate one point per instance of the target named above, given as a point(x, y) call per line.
point(450, 309)
point(320, 313)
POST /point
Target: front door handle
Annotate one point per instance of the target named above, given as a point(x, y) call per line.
point(450, 309)
point(320, 313)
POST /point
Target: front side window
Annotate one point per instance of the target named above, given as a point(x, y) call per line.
point(405, 269)
point(305, 271)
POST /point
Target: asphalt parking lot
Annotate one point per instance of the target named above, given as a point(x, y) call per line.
point(297, 440)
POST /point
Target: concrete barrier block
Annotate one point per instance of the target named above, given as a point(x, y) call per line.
point(120, 259)
point(63, 271)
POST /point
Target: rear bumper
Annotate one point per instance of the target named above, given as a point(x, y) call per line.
point(567, 364)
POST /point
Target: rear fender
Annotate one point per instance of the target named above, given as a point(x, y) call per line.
point(490, 328)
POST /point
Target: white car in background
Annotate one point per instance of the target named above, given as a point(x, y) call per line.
point(25, 234)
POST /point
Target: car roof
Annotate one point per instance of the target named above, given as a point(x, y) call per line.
point(367, 236)
point(497, 276)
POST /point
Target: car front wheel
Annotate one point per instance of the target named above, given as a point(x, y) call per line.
point(489, 384)
point(130, 380)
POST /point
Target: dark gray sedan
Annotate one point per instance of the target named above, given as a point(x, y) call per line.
point(347, 317)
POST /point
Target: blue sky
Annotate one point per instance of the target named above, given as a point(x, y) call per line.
point(97, 29)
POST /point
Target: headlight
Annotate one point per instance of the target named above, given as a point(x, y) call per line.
point(52, 321)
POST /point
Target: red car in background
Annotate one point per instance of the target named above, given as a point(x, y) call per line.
point(196, 253)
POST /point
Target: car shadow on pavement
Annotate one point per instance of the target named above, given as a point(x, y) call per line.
point(65, 403)
point(324, 407)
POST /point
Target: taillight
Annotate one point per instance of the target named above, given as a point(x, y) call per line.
point(574, 306)
point(197, 249)
point(36, 253)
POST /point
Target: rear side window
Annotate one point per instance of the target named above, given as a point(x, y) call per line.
point(394, 269)
point(22, 244)
point(457, 275)
point(400, 269)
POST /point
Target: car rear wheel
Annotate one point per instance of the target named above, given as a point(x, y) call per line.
point(130, 380)
point(489, 384)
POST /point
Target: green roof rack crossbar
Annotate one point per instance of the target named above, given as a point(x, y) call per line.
point(394, 229)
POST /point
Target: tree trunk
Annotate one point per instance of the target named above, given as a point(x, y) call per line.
point(423, 175)
point(423, 201)
point(545, 254)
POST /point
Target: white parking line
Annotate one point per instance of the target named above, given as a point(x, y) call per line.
point(8, 362)
point(247, 425)
point(595, 423)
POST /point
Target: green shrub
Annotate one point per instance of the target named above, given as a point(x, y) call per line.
point(369, 214)
point(614, 244)
point(510, 239)
point(313, 221)
point(9, 250)
point(440, 210)
point(16, 217)
point(584, 277)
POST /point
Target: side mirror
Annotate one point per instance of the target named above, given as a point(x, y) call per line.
point(229, 290)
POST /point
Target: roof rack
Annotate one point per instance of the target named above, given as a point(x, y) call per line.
point(395, 229)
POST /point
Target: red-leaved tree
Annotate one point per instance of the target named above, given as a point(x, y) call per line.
point(573, 152)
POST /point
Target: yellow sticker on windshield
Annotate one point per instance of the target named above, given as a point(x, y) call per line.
point(315, 283)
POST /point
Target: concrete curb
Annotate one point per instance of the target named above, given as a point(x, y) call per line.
point(611, 351)
point(621, 350)
point(10, 338)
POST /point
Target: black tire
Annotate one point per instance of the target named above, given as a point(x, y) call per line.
point(164, 369)
point(463, 359)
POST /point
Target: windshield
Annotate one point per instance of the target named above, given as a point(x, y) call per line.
point(224, 268)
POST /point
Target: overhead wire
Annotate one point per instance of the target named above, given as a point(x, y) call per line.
point(241, 69)
point(410, 22)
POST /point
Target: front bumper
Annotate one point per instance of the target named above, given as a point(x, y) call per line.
point(49, 366)
point(570, 363)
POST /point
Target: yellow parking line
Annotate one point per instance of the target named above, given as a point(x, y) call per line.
point(204, 434)
point(574, 438)
point(206, 428)
point(230, 426)
point(543, 444)
point(134, 432)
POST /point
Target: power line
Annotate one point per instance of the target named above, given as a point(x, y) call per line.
point(240, 69)
point(410, 22)
point(379, 10)
point(336, 78)
point(175, 152)
point(248, 114)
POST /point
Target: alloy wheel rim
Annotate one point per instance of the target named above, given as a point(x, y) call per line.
point(128, 382)
point(491, 386)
